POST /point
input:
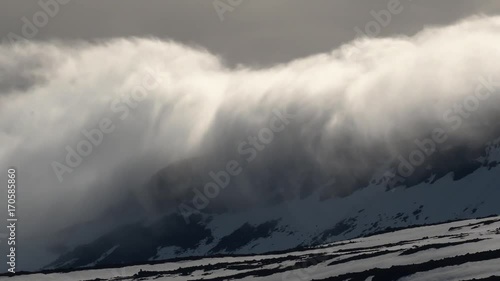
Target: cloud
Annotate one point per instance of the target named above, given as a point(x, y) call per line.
point(355, 108)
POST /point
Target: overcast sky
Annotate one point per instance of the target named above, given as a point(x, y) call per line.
point(353, 112)
point(256, 32)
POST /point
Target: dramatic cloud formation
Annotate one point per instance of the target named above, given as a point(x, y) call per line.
point(142, 104)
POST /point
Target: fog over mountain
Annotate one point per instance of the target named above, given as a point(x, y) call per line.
point(129, 107)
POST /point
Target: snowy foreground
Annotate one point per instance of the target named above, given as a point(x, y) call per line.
point(464, 250)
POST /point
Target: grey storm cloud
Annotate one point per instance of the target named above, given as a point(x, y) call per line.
point(354, 107)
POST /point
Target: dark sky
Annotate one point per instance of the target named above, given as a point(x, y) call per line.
point(257, 32)
point(356, 111)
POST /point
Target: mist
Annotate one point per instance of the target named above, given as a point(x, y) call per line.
point(351, 110)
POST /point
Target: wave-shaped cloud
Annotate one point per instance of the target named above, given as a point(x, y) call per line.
point(354, 108)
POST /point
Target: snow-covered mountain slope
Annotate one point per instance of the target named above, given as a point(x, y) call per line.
point(462, 250)
point(299, 222)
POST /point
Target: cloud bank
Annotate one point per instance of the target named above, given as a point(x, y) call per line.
point(355, 109)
